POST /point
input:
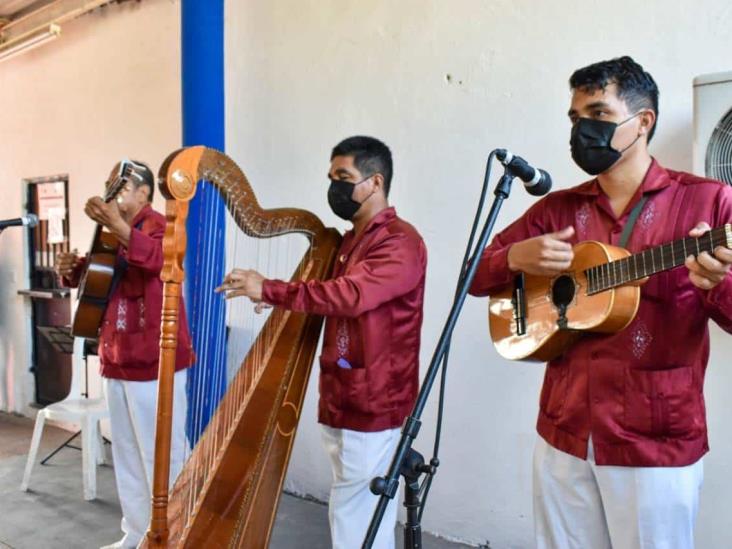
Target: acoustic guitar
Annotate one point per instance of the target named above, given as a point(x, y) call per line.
point(539, 317)
point(96, 280)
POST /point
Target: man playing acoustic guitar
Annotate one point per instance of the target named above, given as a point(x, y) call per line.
point(622, 426)
point(128, 345)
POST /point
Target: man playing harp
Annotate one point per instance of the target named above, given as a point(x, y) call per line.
point(369, 365)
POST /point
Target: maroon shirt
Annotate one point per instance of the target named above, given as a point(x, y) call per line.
point(637, 392)
point(370, 362)
point(130, 334)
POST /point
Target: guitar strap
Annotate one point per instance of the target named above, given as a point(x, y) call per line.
point(632, 218)
point(120, 267)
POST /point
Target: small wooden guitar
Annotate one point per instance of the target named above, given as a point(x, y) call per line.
point(540, 317)
point(96, 280)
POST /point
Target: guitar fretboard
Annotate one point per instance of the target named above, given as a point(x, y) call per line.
point(655, 260)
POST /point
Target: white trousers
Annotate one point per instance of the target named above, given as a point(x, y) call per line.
point(356, 458)
point(581, 505)
point(132, 416)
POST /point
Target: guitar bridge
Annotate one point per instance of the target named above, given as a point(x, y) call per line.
point(519, 304)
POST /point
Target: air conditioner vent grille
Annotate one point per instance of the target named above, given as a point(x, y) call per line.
point(718, 163)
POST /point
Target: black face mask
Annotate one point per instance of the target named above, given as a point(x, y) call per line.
point(339, 198)
point(590, 144)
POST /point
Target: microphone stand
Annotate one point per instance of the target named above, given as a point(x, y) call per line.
point(406, 461)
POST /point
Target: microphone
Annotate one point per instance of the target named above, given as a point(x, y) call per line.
point(30, 220)
point(537, 182)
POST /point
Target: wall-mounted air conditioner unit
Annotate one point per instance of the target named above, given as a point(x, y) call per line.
point(713, 126)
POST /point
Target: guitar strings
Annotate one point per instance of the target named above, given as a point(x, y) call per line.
point(651, 261)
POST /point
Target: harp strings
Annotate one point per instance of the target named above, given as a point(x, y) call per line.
point(231, 360)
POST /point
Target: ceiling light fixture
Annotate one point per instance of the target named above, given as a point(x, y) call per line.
point(9, 50)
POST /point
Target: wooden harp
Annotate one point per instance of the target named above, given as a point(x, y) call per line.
point(228, 490)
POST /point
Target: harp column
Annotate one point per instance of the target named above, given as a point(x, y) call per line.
point(202, 35)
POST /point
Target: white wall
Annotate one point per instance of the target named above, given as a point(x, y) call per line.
point(303, 74)
point(108, 88)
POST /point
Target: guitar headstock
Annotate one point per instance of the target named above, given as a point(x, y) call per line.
point(120, 176)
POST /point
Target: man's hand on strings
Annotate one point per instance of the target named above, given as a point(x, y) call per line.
point(546, 255)
point(707, 270)
point(104, 213)
point(66, 263)
point(244, 282)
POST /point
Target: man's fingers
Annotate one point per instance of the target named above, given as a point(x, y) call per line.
point(93, 212)
point(235, 293)
point(700, 228)
point(229, 286)
point(701, 276)
point(701, 281)
point(564, 234)
point(552, 268)
point(712, 264)
point(261, 306)
point(554, 244)
point(691, 264)
point(96, 200)
point(706, 266)
point(236, 279)
point(723, 254)
point(237, 275)
point(558, 255)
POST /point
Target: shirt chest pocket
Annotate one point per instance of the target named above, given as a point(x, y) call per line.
point(663, 403)
point(344, 389)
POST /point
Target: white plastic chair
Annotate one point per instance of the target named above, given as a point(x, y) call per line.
point(85, 412)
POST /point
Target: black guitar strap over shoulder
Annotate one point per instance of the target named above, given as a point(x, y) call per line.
point(632, 218)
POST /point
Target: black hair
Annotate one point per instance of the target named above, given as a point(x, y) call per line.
point(142, 175)
point(370, 156)
point(635, 86)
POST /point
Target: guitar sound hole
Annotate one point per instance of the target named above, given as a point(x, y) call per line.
point(563, 291)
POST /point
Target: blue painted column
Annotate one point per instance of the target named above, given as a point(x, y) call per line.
point(202, 36)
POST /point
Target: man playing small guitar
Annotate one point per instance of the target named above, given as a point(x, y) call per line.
point(622, 426)
point(128, 343)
